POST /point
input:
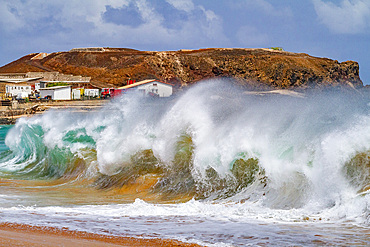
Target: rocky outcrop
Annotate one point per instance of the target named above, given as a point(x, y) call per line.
point(251, 68)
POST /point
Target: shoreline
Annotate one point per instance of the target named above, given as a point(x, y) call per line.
point(9, 115)
point(13, 234)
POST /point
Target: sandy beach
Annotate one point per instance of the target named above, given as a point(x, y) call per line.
point(211, 166)
point(25, 235)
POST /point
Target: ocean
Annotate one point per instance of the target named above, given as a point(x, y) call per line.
point(213, 166)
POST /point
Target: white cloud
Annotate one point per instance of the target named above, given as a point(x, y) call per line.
point(185, 5)
point(81, 23)
point(9, 20)
point(212, 26)
point(266, 8)
point(147, 12)
point(349, 17)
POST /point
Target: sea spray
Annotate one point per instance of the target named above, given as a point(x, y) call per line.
point(213, 142)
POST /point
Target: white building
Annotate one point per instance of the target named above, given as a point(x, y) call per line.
point(91, 92)
point(76, 93)
point(56, 93)
point(18, 89)
point(37, 86)
point(151, 87)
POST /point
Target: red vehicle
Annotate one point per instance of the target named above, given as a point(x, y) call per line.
point(107, 93)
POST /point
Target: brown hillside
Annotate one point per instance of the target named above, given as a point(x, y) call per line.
point(250, 67)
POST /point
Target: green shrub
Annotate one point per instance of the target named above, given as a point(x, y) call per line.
point(54, 84)
point(277, 48)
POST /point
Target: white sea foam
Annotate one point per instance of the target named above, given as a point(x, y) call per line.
point(302, 146)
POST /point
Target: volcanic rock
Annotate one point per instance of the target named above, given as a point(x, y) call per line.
point(250, 68)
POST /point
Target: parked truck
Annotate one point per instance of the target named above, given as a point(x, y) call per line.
point(107, 93)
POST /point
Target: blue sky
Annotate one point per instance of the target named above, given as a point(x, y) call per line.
point(337, 29)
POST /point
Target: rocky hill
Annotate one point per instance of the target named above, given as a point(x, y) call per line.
point(251, 68)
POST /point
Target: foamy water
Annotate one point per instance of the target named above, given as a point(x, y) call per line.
point(213, 166)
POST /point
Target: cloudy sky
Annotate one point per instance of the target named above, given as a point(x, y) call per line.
point(337, 29)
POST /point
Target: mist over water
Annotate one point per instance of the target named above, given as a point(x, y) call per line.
point(272, 156)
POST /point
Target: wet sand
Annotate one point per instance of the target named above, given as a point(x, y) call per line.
point(25, 235)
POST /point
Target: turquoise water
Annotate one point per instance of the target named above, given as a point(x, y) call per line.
point(3, 131)
point(213, 166)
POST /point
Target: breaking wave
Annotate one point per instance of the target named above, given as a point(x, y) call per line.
point(212, 143)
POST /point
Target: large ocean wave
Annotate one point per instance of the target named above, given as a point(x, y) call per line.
point(212, 143)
